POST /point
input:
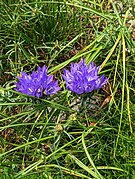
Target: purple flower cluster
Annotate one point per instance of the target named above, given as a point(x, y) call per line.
point(37, 83)
point(80, 79)
point(83, 78)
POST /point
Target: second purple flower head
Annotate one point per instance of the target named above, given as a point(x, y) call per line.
point(83, 78)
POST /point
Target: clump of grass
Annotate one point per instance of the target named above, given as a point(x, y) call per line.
point(45, 138)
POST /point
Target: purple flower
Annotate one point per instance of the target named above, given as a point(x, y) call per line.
point(83, 78)
point(37, 83)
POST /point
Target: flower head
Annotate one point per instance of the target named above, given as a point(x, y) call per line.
point(83, 78)
point(37, 83)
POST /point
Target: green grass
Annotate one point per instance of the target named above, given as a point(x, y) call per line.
point(46, 138)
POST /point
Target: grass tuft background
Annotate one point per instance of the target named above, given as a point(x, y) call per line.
point(45, 138)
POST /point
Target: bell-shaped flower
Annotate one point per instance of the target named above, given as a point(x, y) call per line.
point(37, 83)
point(83, 78)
